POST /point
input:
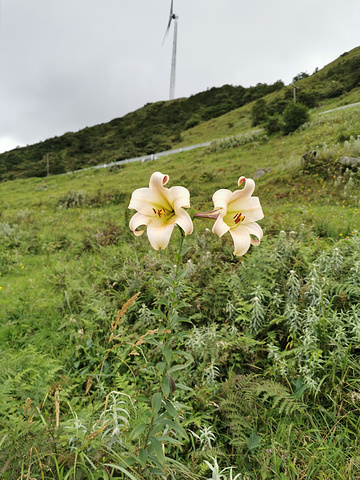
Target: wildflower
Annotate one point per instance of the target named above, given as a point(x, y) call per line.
point(238, 213)
point(160, 208)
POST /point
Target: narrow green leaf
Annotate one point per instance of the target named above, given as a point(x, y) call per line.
point(174, 425)
point(166, 439)
point(175, 368)
point(158, 449)
point(167, 354)
point(165, 386)
point(168, 280)
point(171, 410)
point(172, 385)
point(156, 403)
point(184, 387)
point(156, 428)
point(121, 469)
point(143, 454)
point(137, 431)
point(158, 312)
point(150, 339)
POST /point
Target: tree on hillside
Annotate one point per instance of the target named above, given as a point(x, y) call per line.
point(295, 115)
point(259, 112)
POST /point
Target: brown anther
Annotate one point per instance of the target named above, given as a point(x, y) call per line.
point(238, 218)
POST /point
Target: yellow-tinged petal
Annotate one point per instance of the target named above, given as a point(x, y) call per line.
point(250, 209)
point(159, 235)
point(220, 227)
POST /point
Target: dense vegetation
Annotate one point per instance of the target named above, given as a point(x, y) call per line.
point(163, 125)
point(122, 362)
point(153, 128)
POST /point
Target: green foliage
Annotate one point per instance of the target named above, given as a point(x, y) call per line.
point(150, 129)
point(245, 366)
point(273, 124)
point(258, 112)
point(295, 115)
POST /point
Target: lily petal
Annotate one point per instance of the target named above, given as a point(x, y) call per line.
point(159, 235)
point(220, 227)
point(137, 220)
point(242, 237)
point(179, 197)
point(241, 241)
point(184, 221)
point(250, 209)
point(221, 198)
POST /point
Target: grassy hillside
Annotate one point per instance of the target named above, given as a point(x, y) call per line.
point(165, 125)
point(266, 363)
point(153, 128)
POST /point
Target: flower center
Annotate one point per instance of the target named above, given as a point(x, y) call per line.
point(238, 218)
point(234, 219)
point(164, 215)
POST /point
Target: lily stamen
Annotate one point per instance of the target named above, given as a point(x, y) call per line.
point(238, 218)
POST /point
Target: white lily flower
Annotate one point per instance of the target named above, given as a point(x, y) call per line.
point(238, 212)
point(160, 208)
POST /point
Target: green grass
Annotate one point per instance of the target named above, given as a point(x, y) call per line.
point(278, 383)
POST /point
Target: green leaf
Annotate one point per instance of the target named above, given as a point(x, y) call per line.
point(161, 367)
point(184, 387)
point(121, 469)
point(176, 368)
point(143, 454)
point(167, 354)
point(158, 313)
point(158, 449)
point(168, 280)
point(150, 339)
point(172, 385)
point(156, 403)
point(171, 410)
point(253, 441)
point(156, 428)
point(137, 431)
point(165, 386)
point(166, 439)
point(175, 426)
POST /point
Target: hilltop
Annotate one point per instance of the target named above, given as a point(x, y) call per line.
point(168, 124)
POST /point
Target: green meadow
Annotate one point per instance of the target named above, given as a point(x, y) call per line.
point(119, 361)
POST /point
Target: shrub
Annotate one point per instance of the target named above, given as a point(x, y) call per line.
point(72, 199)
point(295, 115)
point(258, 112)
point(273, 124)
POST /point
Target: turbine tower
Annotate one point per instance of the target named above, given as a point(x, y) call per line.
point(172, 17)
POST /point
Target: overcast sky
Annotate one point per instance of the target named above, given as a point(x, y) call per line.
point(69, 64)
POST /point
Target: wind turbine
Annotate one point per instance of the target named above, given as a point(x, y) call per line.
point(172, 17)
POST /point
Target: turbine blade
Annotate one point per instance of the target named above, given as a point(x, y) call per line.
point(171, 8)
point(171, 17)
point(167, 31)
